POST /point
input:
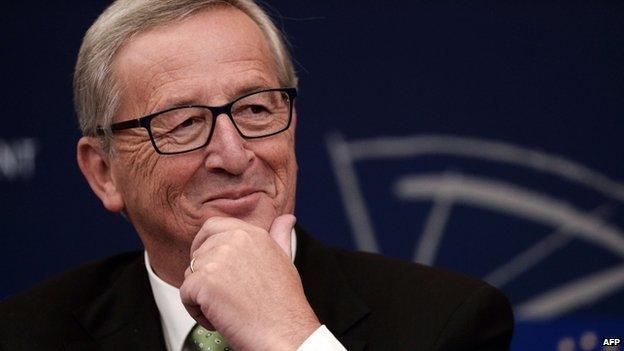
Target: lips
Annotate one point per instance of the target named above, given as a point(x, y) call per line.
point(233, 195)
point(235, 203)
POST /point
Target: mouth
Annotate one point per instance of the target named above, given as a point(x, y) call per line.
point(233, 195)
point(235, 203)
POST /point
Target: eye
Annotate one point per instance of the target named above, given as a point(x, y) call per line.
point(188, 124)
point(257, 109)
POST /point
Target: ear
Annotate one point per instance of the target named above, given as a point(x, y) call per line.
point(293, 122)
point(95, 165)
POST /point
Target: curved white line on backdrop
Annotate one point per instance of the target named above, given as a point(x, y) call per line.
point(352, 198)
point(515, 201)
point(537, 207)
point(581, 292)
point(536, 253)
point(410, 146)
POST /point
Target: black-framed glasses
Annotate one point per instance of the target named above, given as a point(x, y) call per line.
point(186, 128)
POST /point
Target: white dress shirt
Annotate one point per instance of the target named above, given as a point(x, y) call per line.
point(177, 323)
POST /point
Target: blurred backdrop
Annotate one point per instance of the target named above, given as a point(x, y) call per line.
point(484, 137)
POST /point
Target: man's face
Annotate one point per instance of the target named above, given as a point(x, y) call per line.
point(208, 59)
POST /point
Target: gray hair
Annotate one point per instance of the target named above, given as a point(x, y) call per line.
point(96, 93)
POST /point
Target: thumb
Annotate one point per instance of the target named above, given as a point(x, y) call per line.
point(281, 232)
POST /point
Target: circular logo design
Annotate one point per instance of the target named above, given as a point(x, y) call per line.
point(541, 227)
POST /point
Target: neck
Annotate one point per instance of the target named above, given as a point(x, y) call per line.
point(169, 264)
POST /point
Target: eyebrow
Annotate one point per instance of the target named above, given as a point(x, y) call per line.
point(238, 93)
point(252, 88)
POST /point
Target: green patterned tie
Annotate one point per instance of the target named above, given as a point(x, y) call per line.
point(202, 339)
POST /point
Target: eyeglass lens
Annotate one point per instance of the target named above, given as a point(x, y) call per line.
point(187, 128)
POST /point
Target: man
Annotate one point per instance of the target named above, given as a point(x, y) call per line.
point(187, 111)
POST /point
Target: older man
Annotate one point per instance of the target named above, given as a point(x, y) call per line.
point(187, 110)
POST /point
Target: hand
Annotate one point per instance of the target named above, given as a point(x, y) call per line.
point(245, 286)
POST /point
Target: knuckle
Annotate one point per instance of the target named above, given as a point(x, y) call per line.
point(239, 233)
point(221, 251)
point(208, 269)
point(209, 222)
point(187, 291)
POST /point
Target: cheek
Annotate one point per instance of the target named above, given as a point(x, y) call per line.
point(138, 157)
point(289, 170)
point(280, 158)
point(149, 180)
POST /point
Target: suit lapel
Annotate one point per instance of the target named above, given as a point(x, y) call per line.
point(125, 317)
point(328, 290)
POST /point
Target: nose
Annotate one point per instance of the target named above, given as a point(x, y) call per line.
point(227, 150)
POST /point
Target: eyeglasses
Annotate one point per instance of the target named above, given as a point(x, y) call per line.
point(186, 128)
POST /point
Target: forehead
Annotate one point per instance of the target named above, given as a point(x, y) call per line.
point(209, 57)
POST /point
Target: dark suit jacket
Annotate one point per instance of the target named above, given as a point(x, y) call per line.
point(369, 302)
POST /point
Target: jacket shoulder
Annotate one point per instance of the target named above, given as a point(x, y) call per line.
point(396, 275)
point(49, 306)
point(438, 308)
point(72, 287)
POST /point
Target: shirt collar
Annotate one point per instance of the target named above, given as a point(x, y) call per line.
point(176, 322)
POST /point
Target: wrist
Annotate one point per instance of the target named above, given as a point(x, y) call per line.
point(293, 334)
point(296, 337)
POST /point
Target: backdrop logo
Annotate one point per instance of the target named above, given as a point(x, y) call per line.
point(17, 159)
point(483, 190)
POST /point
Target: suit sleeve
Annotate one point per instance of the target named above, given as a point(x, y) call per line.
point(483, 322)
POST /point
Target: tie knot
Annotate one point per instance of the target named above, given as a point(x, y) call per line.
point(202, 339)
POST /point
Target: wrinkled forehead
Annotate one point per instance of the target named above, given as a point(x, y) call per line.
point(215, 54)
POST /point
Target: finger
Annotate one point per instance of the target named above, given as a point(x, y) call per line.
point(189, 293)
point(214, 225)
point(281, 230)
point(209, 244)
point(201, 320)
point(196, 313)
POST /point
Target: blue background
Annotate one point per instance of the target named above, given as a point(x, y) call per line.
point(544, 76)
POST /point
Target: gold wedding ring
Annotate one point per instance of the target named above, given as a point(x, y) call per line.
point(191, 265)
